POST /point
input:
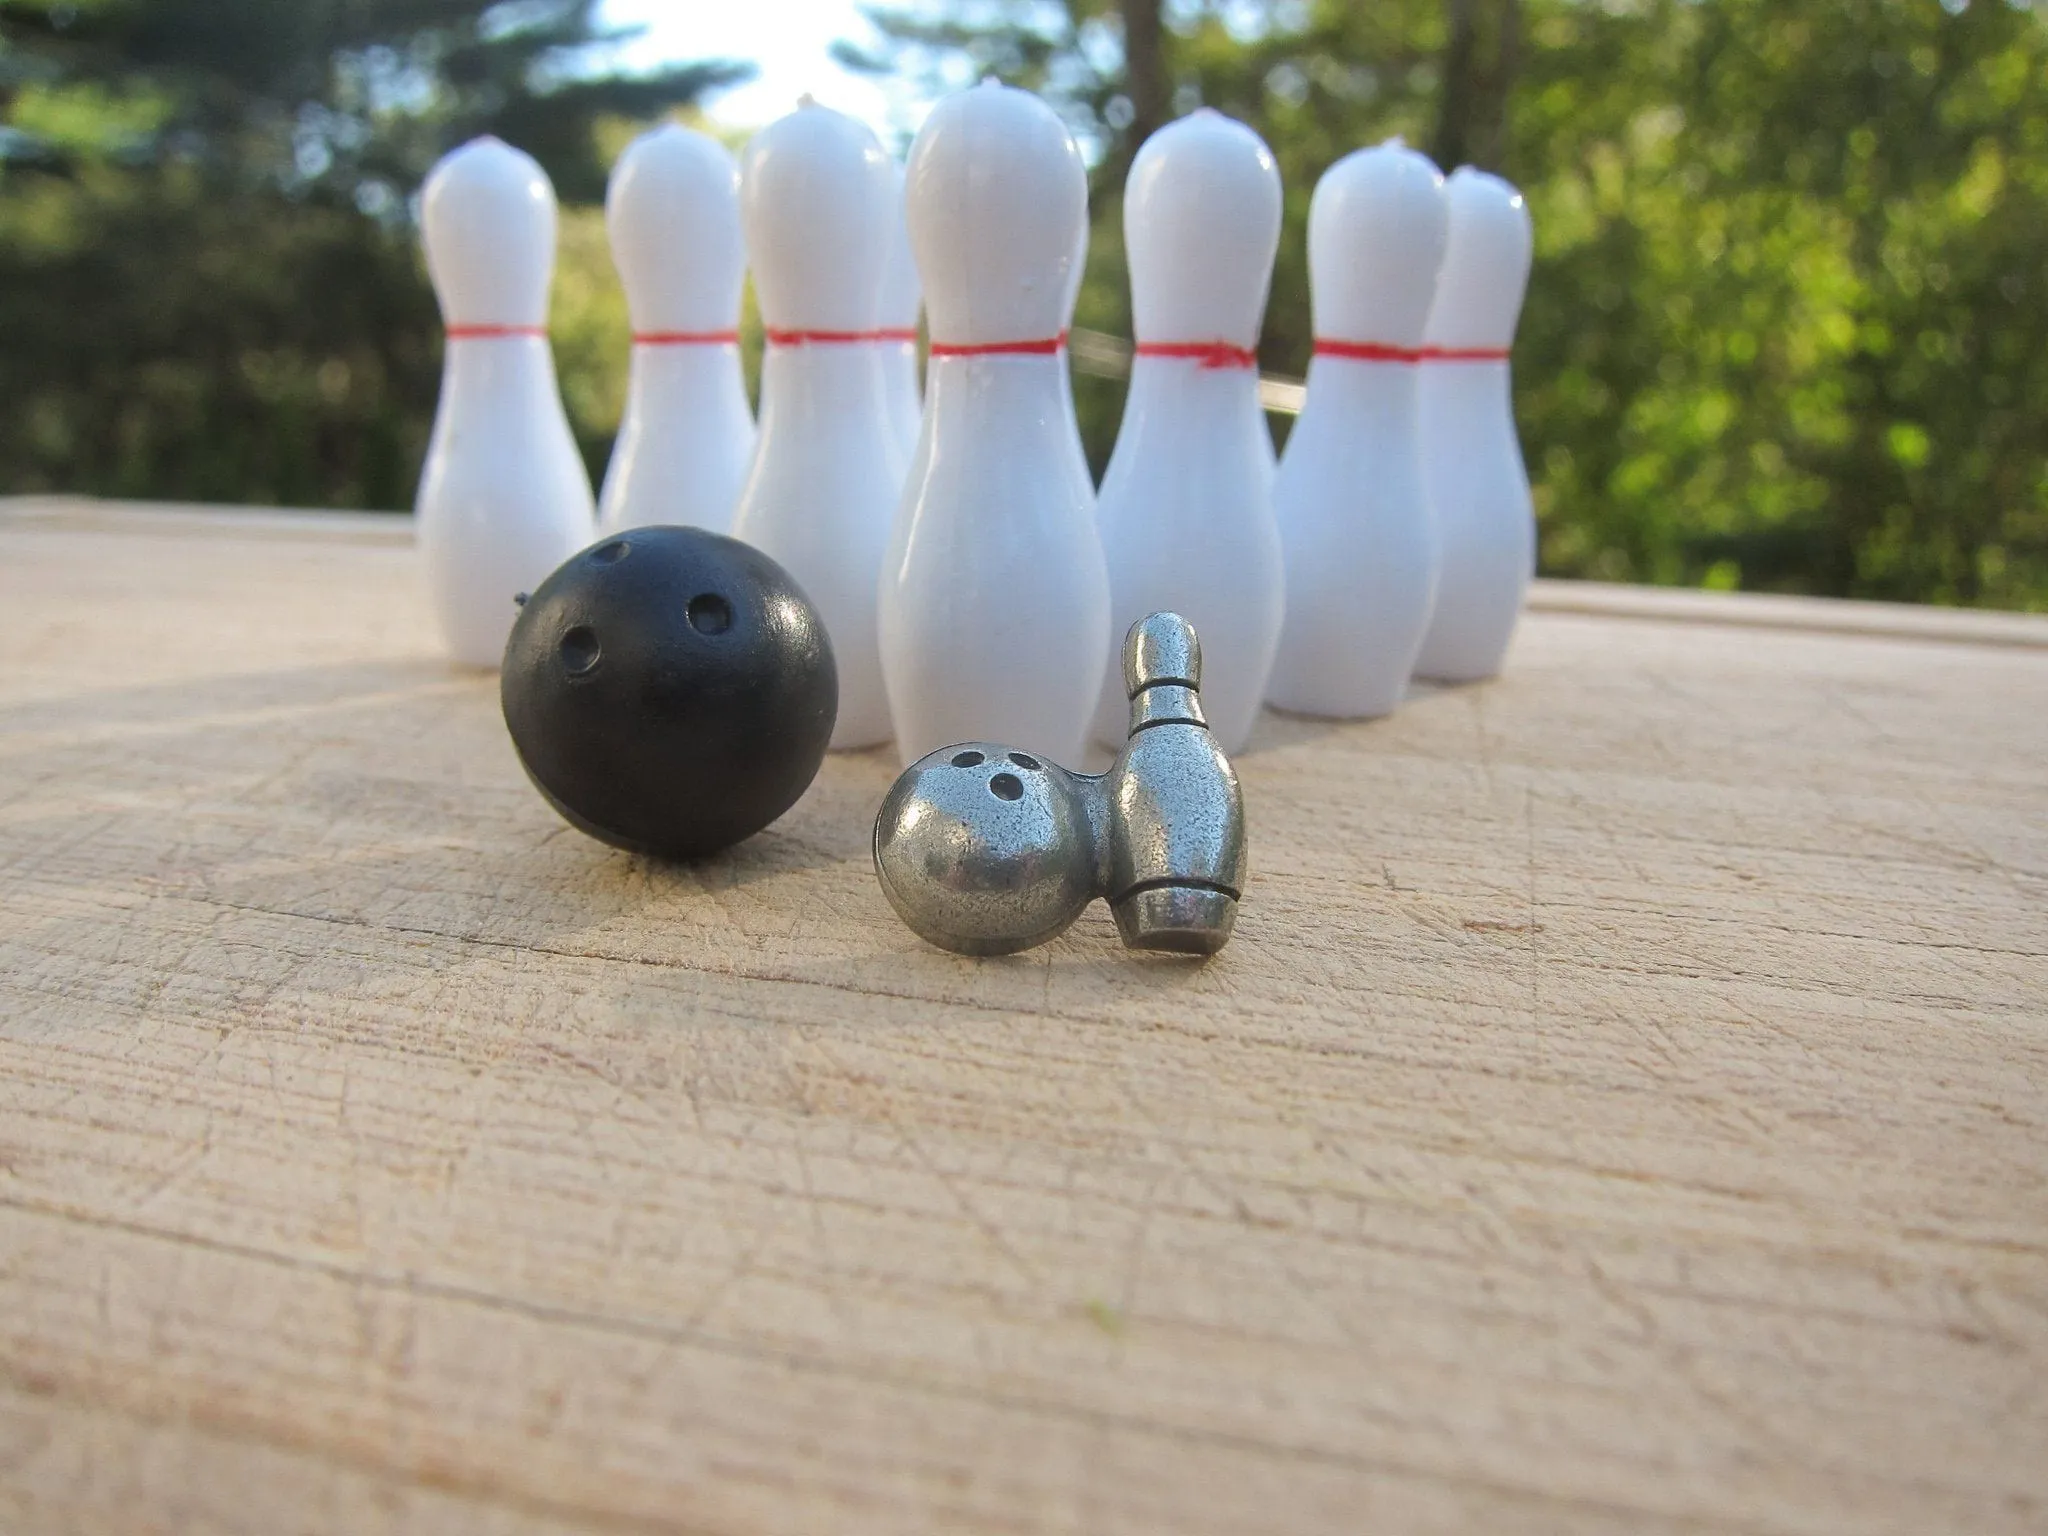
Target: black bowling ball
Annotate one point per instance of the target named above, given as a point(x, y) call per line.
point(670, 691)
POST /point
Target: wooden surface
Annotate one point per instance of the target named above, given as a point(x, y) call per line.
point(1621, 1109)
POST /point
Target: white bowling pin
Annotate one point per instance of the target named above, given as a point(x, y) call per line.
point(1471, 459)
point(817, 200)
point(897, 319)
point(1186, 509)
point(1354, 517)
point(687, 436)
point(504, 497)
point(1077, 450)
point(995, 603)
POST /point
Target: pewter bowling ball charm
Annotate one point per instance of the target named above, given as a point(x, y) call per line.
point(669, 691)
point(985, 850)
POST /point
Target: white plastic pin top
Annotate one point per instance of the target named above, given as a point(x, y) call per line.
point(1471, 458)
point(995, 603)
point(687, 436)
point(901, 300)
point(1186, 509)
point(817, 201)
point(1077, 449)
point(1354, 517)
point(504, 497)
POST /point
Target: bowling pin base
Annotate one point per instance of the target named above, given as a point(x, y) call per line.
point(863, 711)
point(866, 742)
point(1363, 709)
point(1179, 919)
point(1451, 677)
point(1458, 650)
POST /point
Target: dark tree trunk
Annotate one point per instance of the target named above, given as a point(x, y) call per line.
point(1489, 144)
point(1460, 85)
point(1144, 70)
point(1471, 125)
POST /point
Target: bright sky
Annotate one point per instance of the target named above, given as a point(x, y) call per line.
point(789, 40)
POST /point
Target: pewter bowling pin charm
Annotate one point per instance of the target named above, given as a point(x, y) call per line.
point(984, 850)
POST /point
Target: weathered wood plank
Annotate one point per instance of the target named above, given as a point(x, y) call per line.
point(1622, 1109)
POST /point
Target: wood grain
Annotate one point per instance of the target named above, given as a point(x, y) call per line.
point(1622, 1108)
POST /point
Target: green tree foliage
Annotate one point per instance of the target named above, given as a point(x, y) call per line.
point(209, 283)
point(1792, 255)
point(1785, 326)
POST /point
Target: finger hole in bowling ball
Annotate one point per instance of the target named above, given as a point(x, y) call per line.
point(709, 614)
point(579, 649)
point(966, 759)
point(1006, 786)
point(611, 553)
point(1023, 760)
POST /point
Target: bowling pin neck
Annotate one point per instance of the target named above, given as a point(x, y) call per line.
point(1179, 412)
point(1373, 390)
point(1211, 356)
point(1368, 351)
point(711, 366)
point(685, 341)
point(1400, 352)
point(822, 360)
point(1052, 344)
point(496, 333)
point(1162, 667)
point(1202, 372)
point(1472, 363)
point(787, 337)
point(818, 383)
point(953, 376)
point(1191, 438)
point(1477, 385)
point(487, 367)
point(1005, 417)
point(1166, 704)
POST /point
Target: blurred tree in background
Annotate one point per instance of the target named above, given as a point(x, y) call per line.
point(1784, 330)
point(209, 282)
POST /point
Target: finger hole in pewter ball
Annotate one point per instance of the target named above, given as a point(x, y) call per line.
point(984, 864)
